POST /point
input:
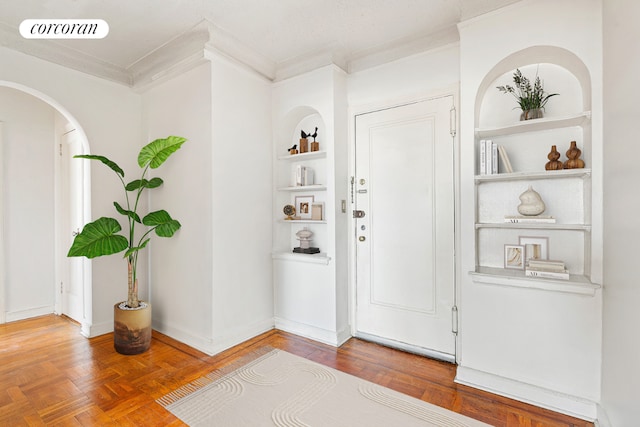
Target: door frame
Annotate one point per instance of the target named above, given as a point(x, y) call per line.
point(354, 111)
point(85, 327)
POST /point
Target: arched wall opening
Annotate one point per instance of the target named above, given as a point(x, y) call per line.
point(16, 240)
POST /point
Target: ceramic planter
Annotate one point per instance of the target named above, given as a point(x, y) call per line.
point(132, 328)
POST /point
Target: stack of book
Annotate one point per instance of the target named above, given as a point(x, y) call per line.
point(537, 219)
point(489, 153)
point(546, 269)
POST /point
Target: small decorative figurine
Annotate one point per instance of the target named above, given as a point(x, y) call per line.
point(573, 157)
point(293, 150)
point(315, 146)
point(553, 163)
point(304, 143)
point(305, 247)
point(531, 203)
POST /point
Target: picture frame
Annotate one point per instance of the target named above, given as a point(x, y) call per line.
point(514, 256)
point(535, 247)
point(317, 211)
point(303, 206)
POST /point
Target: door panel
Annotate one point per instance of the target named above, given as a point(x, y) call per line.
point(404, 255)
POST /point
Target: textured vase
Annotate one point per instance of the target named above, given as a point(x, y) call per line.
point(573, 157)
point(553, 163)
point(535, 113)
point(132, 328)
point(531, 203)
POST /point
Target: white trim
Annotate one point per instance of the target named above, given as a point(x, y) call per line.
point(603, 418)
point(433, 354)
point(559, 402)
point(332, 338)
point(28, 313)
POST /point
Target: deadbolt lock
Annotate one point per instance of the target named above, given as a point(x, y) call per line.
point(358, 214)
point(362, 238)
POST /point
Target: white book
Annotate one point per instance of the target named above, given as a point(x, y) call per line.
point(535, 272)
point(494, 158)
point(483, 158)
point(545, 264)
point(506, 163)
point(518, 219)
point(487, 156)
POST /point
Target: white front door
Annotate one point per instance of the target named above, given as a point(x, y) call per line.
point(404, 185)
point(71, 203)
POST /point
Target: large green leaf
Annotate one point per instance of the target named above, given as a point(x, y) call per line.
point(98, 238)
point(165, 225)
point(123, 211)
point(156, 152)
point(117, 169)
point(143, 183)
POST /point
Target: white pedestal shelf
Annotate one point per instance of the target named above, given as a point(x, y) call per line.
point(521, 176)
point(320, 258)
point(304, 156)
point(577, 284)
point(535, 125)
point(315, 187)
point(303, 221)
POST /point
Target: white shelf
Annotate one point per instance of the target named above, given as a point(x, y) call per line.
point(535, 125)
point(320, 258)
point(303, 221)
point(521, 176)
point(304, 156)
point(577, 284)
point(298, 188)
point(535, 226)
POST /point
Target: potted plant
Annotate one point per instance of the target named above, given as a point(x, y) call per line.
point(531, 100)
point(132, 318)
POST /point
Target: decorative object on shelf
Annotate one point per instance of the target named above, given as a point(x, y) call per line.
point(293, 149)
point(304, 142)
point(531, 100)
point(535, 248)
point(315, 146)
point(546, 269)
point(317, 211)
point(514, 257)
point(289, 211)
point(573, 157)
point(304, 176)
point(303, 206)
point(531, 203)
point(305, 247)
point(553, 164)
point(538, 219)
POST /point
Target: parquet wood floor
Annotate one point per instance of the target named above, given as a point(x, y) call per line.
point(50, 375)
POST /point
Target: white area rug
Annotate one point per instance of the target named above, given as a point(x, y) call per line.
point(280, 389)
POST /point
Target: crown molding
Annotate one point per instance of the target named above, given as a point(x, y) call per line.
point(56, 53)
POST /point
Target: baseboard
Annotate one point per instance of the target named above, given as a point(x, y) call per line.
point(12, 316)
point(218, 343)
point(333, 338)
point(534, 395)
point(603, 419)
point(96, 329)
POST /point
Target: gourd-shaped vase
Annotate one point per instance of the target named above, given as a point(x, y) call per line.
point(553, 163)
point(573, 157)
point(531, 203)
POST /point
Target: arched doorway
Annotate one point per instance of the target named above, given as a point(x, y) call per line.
point(62, 129)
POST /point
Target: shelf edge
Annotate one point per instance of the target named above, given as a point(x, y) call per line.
point(321, 258)
point(563, 286)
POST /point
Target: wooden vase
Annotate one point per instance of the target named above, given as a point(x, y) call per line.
point(553, 163)
point(573, 157)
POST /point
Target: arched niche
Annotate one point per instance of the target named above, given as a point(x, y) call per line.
point(561, 72)
point(300, 118)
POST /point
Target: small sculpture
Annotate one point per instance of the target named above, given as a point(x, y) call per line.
point(531, 203)
point(304, 144)
point(290, 212)
point(553, 163)
point(303, 134)
point(315, 146)
point(305, 247)
point(293, 150)
point(573, 160)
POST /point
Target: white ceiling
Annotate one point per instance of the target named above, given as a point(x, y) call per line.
point(278, 33)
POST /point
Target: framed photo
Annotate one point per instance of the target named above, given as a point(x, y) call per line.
point(317, 211)
point(514, 257)
point(535, 247)
point(303, 206)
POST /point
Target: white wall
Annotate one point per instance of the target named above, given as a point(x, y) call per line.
point(27, 164)
point(211, 283)
point(109, 114)
point(242, 299)
point(545, 344)
point(621, 352)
